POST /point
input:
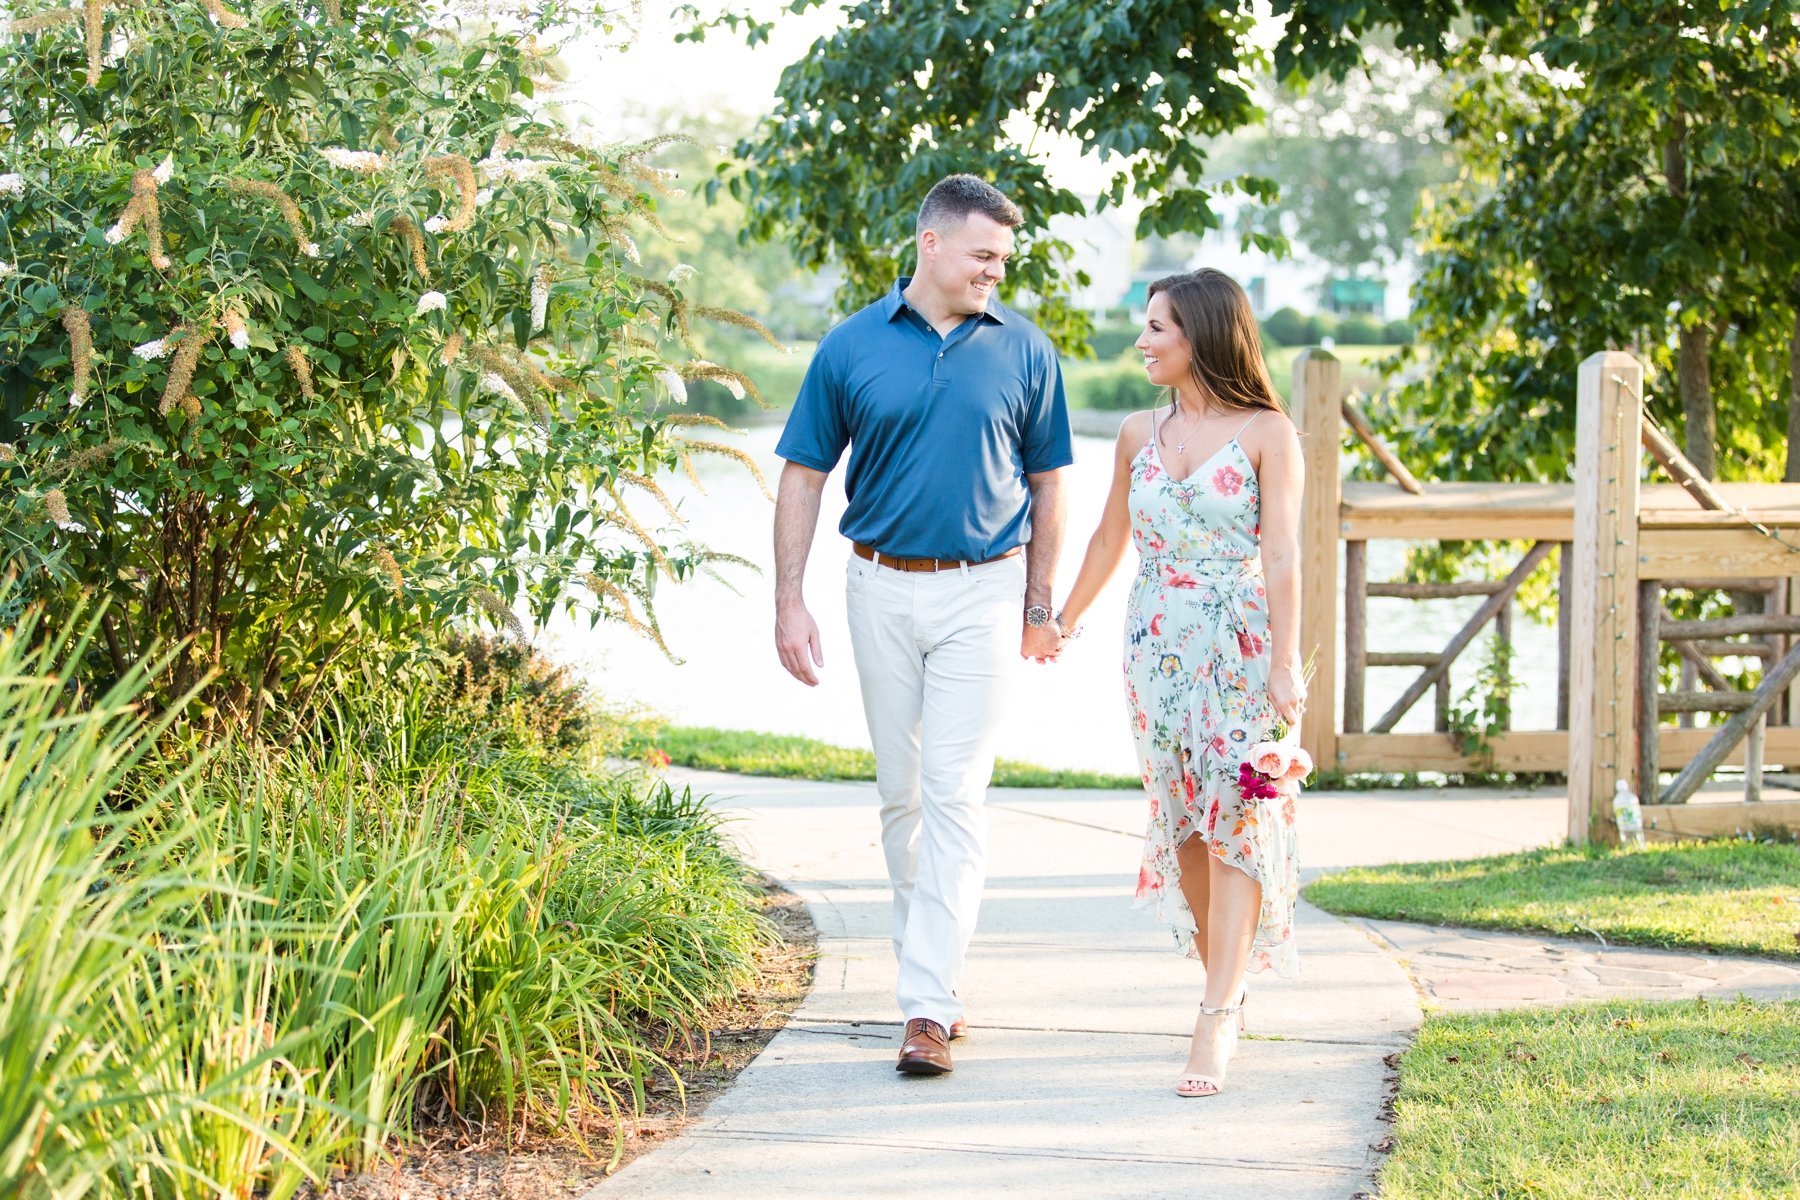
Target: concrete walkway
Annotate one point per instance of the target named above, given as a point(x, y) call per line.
point(1080, 1011)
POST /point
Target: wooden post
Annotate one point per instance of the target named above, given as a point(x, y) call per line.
point(1503, 636)
point(1356, 633)
point(1753, 760)
point(1565, 592)
point(1776, 602)
point(1603, 607)
point(1649, 675)
point(1317, 402)
point(1440, 707)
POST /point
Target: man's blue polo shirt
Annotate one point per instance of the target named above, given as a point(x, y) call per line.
point(942, 430)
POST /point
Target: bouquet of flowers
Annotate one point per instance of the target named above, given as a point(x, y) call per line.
point(1274, 768)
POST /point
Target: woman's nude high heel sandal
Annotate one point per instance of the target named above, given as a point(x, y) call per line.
point(1193, 1085)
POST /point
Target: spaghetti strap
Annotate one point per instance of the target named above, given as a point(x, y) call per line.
point(1152, 427)
point(1246, 425)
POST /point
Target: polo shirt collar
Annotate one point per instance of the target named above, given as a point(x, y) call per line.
point(894, 301)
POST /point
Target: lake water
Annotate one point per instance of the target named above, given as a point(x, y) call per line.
point(1071, 714)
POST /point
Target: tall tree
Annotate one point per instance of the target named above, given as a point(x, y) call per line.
point(1351, 160)
point(1632, 158)
point(1627, 188)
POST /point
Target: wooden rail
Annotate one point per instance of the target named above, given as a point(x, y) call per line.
point(1621, 544)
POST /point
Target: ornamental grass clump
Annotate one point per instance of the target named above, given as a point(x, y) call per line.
point(232, 972)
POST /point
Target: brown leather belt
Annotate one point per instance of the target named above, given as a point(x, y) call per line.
point(921, 564)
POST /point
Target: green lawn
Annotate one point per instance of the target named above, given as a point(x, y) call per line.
point(1733, 896)
point(1597, 1102)
point(791, 757)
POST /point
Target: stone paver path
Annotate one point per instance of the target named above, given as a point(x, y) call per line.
point(1476, 969)
point(1080, 1012)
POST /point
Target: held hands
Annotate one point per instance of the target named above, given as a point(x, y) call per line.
point(1287, 692)
point(1042, 643)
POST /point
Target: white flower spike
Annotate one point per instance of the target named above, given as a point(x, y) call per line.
point(676, 385)
point(435, 224)
point(483, 196)
point(12, 184)
point(360, 220)
point(8, 270)
point(166, 171)
point(682, 273)
point(492, 382)
point(540, 301)
point(431, 302)
point(152, 350)
point(365, 162)
point(115, 235)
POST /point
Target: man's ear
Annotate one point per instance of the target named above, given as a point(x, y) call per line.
point(928, 243)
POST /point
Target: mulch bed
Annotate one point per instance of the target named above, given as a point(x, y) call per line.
point(465, 1165)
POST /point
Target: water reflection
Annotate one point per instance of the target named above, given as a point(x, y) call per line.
point(1068, 715)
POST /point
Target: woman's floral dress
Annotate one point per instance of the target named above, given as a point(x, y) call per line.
point(1197, 686)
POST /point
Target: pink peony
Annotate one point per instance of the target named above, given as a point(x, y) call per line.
point(1272, 758)
point(1299, 767)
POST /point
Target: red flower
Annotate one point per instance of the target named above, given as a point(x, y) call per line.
point(1254, 785)
point(661, 759)
point(1249, 645)
point(1156, 625)
point(1227, 482)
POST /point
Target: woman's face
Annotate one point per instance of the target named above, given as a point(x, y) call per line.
point(1167, 354)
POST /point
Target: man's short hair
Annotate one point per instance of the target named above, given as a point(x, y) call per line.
point(954, 197)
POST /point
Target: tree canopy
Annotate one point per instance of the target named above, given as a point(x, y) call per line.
point(319, 333)
point(1630, 184)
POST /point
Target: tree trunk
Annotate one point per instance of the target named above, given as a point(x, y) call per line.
point(1694, 372)
point(1792, 474)
point(1693, 369)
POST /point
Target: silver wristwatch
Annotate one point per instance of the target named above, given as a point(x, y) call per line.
point(1037, 616)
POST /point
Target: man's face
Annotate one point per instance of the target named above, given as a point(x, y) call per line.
point(966, 260)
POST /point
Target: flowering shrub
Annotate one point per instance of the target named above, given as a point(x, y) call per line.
point(319, 334)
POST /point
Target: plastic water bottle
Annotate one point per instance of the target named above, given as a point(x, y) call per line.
point(1627, 813)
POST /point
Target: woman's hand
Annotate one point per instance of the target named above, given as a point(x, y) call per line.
point(1287, 692)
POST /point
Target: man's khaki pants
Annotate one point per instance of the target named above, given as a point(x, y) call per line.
point(936, 653)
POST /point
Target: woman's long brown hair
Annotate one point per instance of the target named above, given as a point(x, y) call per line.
point(1225, 347)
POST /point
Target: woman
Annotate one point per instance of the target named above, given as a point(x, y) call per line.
point(1209, 489)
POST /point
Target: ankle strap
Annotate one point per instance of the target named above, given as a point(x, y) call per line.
point(1221, 1012)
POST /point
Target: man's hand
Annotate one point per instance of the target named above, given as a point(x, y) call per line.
point(1042, 643)
point(797, 642)
point(796, 515)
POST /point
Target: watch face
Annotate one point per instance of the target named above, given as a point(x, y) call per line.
point(1037, 614)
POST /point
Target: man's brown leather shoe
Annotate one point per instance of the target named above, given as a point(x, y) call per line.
point(959, 1028)
point(926, 1050)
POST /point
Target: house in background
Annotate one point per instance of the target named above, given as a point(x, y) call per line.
point(1344, 296)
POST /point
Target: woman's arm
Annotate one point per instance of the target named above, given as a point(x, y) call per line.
point(1113, 536)
point(1274, 450)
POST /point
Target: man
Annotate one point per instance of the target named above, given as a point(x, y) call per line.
point(952, 405)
